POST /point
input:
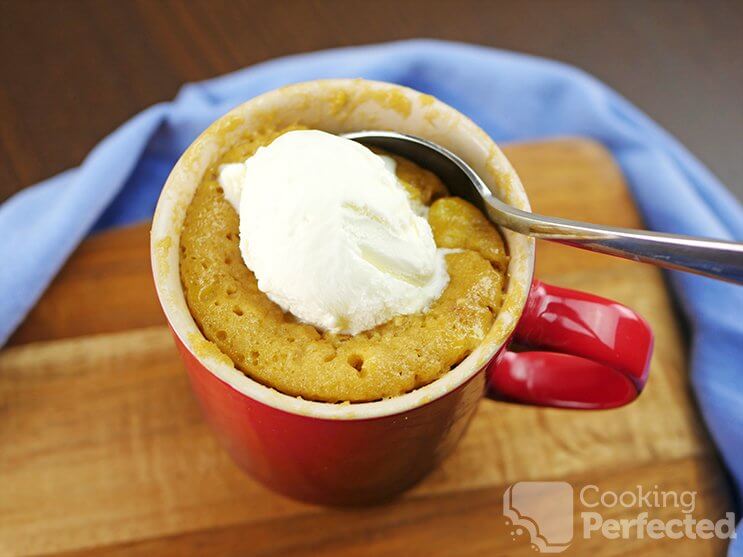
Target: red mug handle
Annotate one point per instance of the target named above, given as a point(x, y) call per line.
point(590, 352)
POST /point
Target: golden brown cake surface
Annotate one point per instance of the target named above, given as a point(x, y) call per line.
point(295, 358)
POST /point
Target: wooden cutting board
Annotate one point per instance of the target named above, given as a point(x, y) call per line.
point(103, 450)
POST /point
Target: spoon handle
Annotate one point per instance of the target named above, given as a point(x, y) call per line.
point(713, 258)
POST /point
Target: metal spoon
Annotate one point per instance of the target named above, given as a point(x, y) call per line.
point(713, 258)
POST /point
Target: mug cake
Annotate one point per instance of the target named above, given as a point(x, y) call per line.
point(342, 275)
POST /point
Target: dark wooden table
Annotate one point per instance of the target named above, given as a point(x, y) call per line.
point(72, 71)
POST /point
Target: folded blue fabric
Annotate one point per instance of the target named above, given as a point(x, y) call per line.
point(511, 96)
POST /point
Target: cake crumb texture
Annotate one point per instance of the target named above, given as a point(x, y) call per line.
point(272, 347)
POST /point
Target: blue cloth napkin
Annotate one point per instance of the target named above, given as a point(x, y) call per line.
point(511, 96)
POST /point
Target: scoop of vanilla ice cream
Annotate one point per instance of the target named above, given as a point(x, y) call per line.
point(331, 234)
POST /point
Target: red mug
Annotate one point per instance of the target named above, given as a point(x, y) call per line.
point(576, 350)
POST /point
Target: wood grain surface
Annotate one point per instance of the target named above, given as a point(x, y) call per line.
point(103, 450)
